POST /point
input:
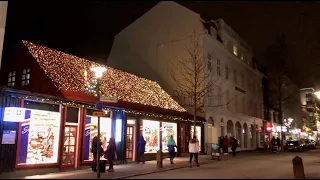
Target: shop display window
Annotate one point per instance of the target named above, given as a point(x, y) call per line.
point(198, 134)
point(91, 130)
point(151, 135)
point(39, 137)
point(168, 129)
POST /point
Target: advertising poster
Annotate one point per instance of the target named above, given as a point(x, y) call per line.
point(151, 135)
point(198, 134)
point(39, 138)
point(169, 129)
point(91, 130)
point(8, 137)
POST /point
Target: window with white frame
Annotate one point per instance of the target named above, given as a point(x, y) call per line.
point(228, 99)
point(235, 50)
point(235, 76)
point(209, 95)
point(209, 62)
point(227, 72)
point(219, 96)
point(218, 67)
point(11, 78)
point(25, 77)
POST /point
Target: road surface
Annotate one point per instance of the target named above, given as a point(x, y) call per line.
point(275, 166)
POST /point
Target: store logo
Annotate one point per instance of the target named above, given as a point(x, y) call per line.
point(87, 133)
point(25, 130)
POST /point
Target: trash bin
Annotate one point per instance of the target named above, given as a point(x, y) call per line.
point(103, 164)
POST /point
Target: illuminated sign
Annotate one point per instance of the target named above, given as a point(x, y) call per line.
point(118, 130)
point(8, 137)
point(16, 114)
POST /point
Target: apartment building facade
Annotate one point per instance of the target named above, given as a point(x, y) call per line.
point(148, 46)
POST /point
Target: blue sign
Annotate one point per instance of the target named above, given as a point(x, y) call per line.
point(99, 105)
point(24, 137)
point(8, 137)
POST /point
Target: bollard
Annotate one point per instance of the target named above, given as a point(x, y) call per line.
point(159, 159)
point(298, 170)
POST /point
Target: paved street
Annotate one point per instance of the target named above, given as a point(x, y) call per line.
point(245, 165)
point(267, 166)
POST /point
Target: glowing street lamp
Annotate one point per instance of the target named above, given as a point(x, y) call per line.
point(98, 71)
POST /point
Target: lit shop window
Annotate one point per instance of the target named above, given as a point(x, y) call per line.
point(198, 134)
point(11, 78)
point(235, 50)
point(91, 130)
point(25, 77)
point(38, 137)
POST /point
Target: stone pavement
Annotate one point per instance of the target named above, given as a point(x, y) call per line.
point(266, 166)
point(132, 169)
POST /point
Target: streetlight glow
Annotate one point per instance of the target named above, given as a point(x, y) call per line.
point(98, 71)
point(317, 94)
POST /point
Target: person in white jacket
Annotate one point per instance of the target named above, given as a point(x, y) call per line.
point(194, 150)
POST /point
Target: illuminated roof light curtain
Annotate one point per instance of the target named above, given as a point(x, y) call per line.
point(68, 73)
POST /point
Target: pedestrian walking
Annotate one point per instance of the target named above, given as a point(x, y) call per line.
point(278, 143)
point(141, 146)
point(221, 144)
point(194, 150)
point(94, 151)
point(273, 142)
point(226, 144)
point(234, 145)
point(110, 153)
point(171, 148)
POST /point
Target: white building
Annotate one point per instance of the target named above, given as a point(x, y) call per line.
point(148, 46)
point(3, 17)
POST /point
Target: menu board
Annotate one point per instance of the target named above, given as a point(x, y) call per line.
point(8, 137)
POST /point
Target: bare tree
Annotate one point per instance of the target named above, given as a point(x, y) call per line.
point(194, 79)
point(280, 88)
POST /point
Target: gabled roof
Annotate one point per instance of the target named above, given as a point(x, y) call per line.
point(67, 73)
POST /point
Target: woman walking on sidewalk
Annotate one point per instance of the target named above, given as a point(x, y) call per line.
point(194, 150)
point(171, 148)
point(141, 148)
point(110, 153)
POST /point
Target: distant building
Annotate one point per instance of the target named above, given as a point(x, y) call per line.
point(148, 46)
point(3, 17)
point(310, 113)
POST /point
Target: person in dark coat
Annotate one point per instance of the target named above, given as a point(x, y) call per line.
point(221, 144)
point(273, 142)
point(234, 145)
point(141, 148)
point(278, 141)
point(94, 149)
point(226, 144)
point(110, 153)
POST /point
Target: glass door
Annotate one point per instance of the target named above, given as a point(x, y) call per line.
point(70, 139)
point(129, 145)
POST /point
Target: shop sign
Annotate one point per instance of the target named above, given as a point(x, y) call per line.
point(16, 114)
point(109, 99)
point(99, 113)
point(8, 137)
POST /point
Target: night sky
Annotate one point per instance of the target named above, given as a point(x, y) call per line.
point(87, 28)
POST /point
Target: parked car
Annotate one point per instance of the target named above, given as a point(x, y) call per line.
point(310, 144)
point(294, 146)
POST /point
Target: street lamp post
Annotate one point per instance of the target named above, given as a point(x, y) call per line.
point(98, 74)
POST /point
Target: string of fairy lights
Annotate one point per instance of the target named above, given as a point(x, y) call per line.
point(67, 73)
point(88, 106)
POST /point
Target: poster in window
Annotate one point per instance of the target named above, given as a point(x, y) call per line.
point(151, 135)
point(91, 130)
point(198, 134)
point(39, 137)
point(169, 129)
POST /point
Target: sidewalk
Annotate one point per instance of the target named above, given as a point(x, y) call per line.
point(131, 169)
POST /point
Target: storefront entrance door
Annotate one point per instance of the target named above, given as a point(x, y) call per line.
point(129, 145)
point(69, 147)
